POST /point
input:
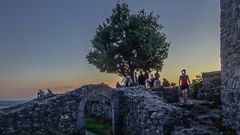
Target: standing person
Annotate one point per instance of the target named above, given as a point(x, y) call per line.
point(184, 83)
point(157, 82)
point(146, 75)
point(157, 75)
point(147, 80)
point(127, 81)
point(141, 79)
point(151, 81)
point(135, 79)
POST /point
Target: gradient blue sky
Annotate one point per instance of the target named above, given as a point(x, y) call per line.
point(43, 43)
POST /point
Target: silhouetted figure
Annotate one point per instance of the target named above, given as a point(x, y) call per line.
point(50, 93)
point(141, 79)
point(40, 93)
point(147, 80)
point(127, 81)
point(118, 85)
point(184, 83)
point(157, 83)
point(165, 83)
point(135, 79)
point(157, 75)
point(146, 75)
point(151, 81)
point(173, 84)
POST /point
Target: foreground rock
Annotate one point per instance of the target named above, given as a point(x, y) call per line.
point(199, 118)
point(42, 116)
point(146, 114)
point(141, 112)
point(211, 89)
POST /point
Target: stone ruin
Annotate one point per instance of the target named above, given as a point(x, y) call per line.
point(211, 89)
point(42, 94)
point(230, 62)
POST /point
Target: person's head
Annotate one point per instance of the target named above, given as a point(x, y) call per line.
point(152, 76)
point(183, 71)
point(141, 72)
point(135, 73)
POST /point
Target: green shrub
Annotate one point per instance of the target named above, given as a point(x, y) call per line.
point(98, 125)
point(196, 87)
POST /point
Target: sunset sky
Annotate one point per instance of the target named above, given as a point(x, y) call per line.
point(43, 43)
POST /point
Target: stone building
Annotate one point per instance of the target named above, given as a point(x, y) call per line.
point(230, 62)
point(211, 89)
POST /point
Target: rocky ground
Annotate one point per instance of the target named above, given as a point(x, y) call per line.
point(58, 114)
point(200, 117)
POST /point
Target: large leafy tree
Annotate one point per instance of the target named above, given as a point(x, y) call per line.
point(128, 42)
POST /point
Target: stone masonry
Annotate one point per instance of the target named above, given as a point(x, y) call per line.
point(211, 89)
point(230, 62)
point(143, 113)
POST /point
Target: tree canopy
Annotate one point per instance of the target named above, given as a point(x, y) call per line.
point(127, 42)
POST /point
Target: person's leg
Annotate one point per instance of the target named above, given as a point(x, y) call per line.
point(185, 95)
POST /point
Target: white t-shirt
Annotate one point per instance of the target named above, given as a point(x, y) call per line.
point(127, 80)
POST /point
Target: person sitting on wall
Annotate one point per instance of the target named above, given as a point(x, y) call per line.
point(50, 93)
point(127, 81)
point(40, 93)
point(118, 85)
point(165, 83)
point(173, 84)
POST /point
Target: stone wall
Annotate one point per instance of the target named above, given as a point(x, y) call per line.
point(143, 113)
point(230, 62)
point(47, 115)
point(211, 89)
point(99, 107)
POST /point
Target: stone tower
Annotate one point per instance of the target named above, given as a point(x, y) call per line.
point(230, 62)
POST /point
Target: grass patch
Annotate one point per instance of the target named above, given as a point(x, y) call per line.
point(98, 125)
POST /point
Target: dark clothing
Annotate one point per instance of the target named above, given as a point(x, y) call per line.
point(183, 87)
point(157, 75)
point(118, 85)
point(151, 82)
point(165, 83)
point(184, 80)
point(141, 79)
point(146, 76)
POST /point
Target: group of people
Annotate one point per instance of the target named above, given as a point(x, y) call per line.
point(153, 81)
point(41, 93)
point(144, 79)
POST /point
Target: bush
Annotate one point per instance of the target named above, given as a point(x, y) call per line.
point(98, 125)
point(196, 87)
